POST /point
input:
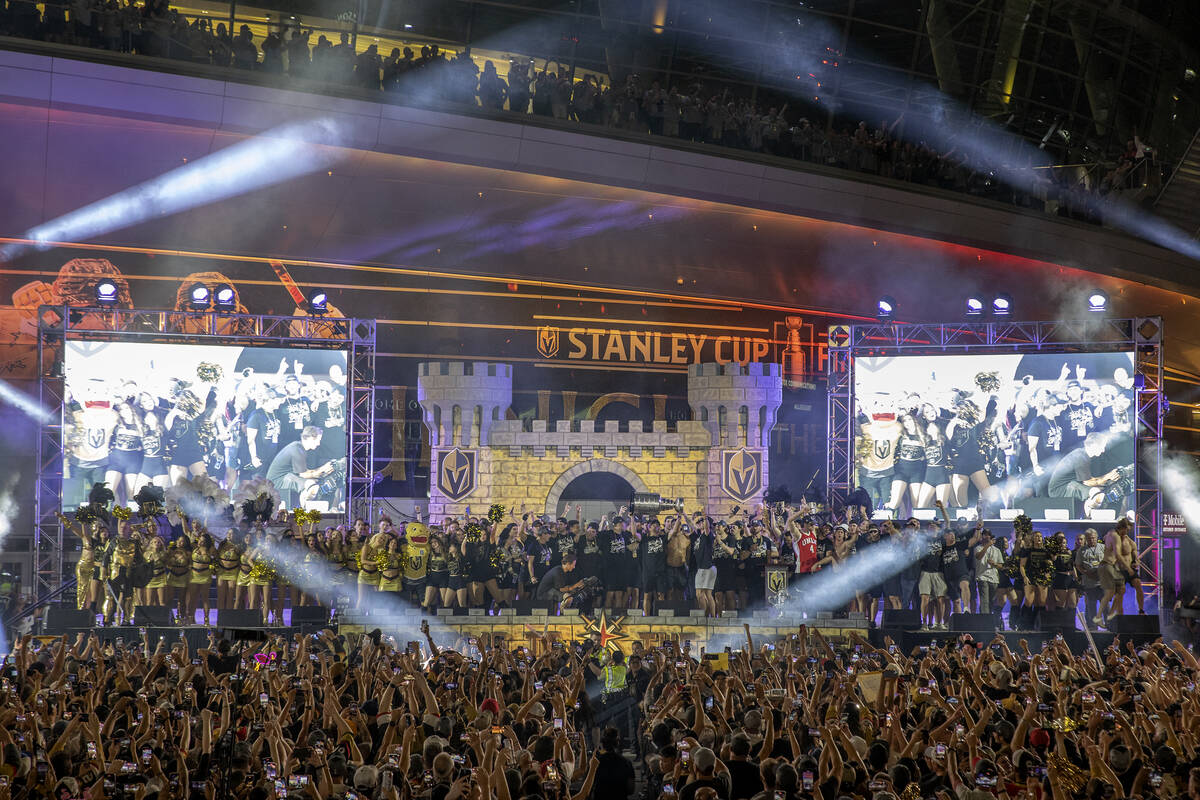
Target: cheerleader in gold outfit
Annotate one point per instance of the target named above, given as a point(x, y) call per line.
point(228, 557)
point(368, 567)
point(204, 561)
point(244, 595)
point(89, 567)
point(156, 558)
point(179, 573)
point(261, 576)
point(391, 567)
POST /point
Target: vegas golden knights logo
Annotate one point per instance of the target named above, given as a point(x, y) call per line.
point(547, 341)
point(456, 473)
point(741, 473)
point(777, 585)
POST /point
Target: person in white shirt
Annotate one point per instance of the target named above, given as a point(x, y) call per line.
point(988, 560)
point(1089, 552)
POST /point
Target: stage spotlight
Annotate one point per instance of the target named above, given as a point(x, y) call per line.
point(199, 297)
point(318, 303)
point(1002, 305)
point(886, 307)
point(224, 298)
point(974, 306)
point(1098, 301)
point(107, 293)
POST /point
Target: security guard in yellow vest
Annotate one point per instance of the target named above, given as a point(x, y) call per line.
point(614, 674)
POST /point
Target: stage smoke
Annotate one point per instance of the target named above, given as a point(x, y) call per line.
point(269, 158)
point(8, 512)
point(316, 577)
point(830, 589)
point(1180, 483)
point(23, 402)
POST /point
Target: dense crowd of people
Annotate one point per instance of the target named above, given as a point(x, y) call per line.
point(684, 110)
point(627, 560)
point(362, 717)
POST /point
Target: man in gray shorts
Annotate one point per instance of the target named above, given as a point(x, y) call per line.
point(931, 585)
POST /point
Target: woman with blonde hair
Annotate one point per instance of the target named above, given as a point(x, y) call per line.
point(229, 555)
point(156, 560)
point(179, 572)
point(204, 561)
point(368, 567)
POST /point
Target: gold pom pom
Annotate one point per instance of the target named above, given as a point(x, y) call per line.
point(122, 513)
point(495, 513)
point(208, 372)
point(1073, 778)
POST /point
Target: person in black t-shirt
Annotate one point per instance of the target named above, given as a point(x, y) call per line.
point(652, 554)
point(955, 561)
point(295, 413)
point(589, 554)
point(932, 585)
point(706, 572)
point(539, 553)
point(619, 573)
point(1044, 439)
point(261, 441)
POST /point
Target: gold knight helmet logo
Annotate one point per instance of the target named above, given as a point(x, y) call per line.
point(456, 473)
point(742, 473)
point(547, 341)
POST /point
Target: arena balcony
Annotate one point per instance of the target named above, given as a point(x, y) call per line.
point(605, 108)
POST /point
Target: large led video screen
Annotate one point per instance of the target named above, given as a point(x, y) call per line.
point(1050, 434)
point(139, 413)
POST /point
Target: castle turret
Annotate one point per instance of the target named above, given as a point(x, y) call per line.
point(460, 400)
point(737, 404)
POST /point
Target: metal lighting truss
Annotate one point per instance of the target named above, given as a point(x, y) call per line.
point(60, 324)
point(1142, 336)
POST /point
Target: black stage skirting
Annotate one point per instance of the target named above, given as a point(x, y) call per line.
point(195, 635)
point(1077, 641)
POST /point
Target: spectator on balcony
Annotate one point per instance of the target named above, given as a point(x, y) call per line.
point(222, 46)
point(560, 96)
point(394, 66)
point(272, 53)
point(110, 25)
point(652, 106)
point(493, 91)
point(131, 26)
point(321, 60)
point(518, 87)
point(691, 118)
point(773, 127)
point(299, 60)
point(341, 61)
point(367, 66)
point(54, 19)
point(245, 51)
point(463, 79)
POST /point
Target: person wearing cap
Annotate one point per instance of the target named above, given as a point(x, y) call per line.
point(932, 585)
point(988, 561)
point(619, 567)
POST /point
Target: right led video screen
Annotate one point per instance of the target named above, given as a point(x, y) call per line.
point(1043, 432)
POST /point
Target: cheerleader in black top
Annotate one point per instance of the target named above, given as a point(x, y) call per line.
point(909, 476)
point(437, 576)
point(124, 453)
point(1062, 585)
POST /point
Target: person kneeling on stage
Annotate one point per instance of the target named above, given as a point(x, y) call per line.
point(289, 470)
point(559, 585)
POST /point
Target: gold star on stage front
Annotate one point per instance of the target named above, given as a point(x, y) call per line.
point(608, 630)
